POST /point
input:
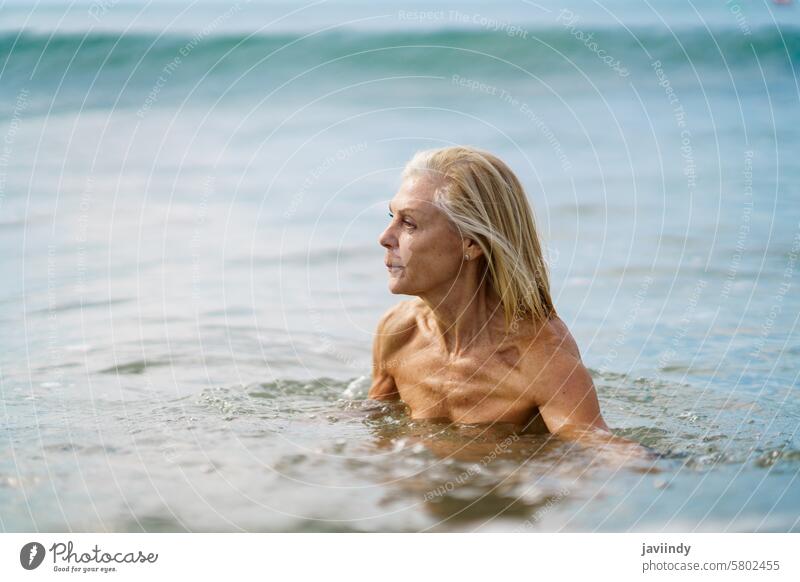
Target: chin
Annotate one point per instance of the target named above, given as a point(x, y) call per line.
point(397, 287)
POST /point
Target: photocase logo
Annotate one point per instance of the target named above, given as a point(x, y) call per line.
point(31, 555)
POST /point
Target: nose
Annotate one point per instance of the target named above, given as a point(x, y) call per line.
point(387, 238)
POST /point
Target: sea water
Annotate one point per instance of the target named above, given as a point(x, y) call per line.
point(190, 201)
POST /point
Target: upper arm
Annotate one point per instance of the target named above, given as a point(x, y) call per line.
point(568, 404)
point(390, 335)
point(565, 394)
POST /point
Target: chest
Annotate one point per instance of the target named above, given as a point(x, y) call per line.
point(484, 386)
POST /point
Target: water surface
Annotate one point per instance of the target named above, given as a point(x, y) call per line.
point(190, 200)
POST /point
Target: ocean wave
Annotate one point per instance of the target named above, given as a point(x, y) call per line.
point(26, 50)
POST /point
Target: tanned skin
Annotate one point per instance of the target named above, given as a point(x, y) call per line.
point(447, 353)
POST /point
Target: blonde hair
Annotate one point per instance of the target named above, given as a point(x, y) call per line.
point(487, 203)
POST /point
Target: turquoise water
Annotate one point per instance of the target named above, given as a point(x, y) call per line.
point(190, 200)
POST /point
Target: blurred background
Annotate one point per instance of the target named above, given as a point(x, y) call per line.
point(190, 199)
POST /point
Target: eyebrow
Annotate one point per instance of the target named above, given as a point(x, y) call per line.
point(406, 210)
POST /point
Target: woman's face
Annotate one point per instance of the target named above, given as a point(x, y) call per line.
point(423, 249)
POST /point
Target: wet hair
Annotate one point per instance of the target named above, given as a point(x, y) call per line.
point(486, 202)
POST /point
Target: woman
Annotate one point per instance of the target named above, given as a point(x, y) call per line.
point(481, 342)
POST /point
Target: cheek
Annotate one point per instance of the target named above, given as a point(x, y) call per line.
point(408, 247)
point(432, 252)
point(427, 258)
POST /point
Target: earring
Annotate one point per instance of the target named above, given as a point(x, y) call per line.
point(466, 257)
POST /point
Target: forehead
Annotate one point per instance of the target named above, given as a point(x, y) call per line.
point(415, 194)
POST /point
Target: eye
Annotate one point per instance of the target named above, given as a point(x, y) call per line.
point(406, 222)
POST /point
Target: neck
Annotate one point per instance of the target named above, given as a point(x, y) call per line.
point(465, 312)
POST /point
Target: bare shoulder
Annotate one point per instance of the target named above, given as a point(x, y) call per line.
point(551, 338)
point(554, 365)
point(395, 329)
point(398, 324)
point(558, 383)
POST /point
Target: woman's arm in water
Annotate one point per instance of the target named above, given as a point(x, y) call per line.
point(609, 444)
point(567, 401)
point(389, 335)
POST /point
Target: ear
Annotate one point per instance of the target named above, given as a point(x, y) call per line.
point(471, 249)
